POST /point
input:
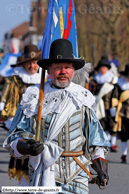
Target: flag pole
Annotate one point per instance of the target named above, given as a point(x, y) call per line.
point(44, 53)
point(41, 94)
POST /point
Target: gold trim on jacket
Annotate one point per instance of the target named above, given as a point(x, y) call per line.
point(13, 97)
point(115, 102)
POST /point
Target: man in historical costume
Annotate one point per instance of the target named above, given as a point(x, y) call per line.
point(101, 86)
point(120, 110)
point(5, 91)
point(25, 74)
point(70, 130)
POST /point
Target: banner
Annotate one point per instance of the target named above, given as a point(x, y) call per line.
point(60, 23)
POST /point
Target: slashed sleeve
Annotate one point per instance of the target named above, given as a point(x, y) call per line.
point(20, 128)
point(97, 142)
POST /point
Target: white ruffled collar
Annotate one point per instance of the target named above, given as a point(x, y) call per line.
point(101, 79)
point(123, 84)
point(53, 99)
point(26, 77)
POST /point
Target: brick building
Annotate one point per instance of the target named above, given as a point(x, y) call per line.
point(29, 31)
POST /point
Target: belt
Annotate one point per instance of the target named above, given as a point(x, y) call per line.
point(74, 155)
point(80, 153)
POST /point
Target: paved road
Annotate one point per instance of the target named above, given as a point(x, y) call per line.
point(118, 173)
point(4, 159)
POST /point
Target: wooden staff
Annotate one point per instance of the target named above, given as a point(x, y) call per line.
point(87, 86)
point(41, 94)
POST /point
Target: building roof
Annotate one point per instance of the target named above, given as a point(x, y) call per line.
point(21, 30)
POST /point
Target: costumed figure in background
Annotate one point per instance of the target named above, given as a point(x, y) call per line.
point(26, 73)
point(5, 92)
point(22, 77)
point(71, 136)
point(114, 68)
point(101, 86)
point(120, 110)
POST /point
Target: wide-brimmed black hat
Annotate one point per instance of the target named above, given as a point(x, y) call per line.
point(61, 51)
point(125, 73)
point(19, 61)
point(31, 53)
point(103, 62)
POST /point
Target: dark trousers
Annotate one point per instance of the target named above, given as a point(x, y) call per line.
point(124, 133)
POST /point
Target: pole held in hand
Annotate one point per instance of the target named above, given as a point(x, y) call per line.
point(41, 95)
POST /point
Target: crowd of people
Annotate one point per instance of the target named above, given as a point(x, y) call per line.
point(109, 89)
point(80, 121)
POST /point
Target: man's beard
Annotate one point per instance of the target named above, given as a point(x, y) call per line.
point(63, 85)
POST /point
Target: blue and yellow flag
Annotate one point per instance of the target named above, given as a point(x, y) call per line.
point(60, 23)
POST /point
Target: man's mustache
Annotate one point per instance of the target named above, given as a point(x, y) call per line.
point(30, 68)
point(63, 76)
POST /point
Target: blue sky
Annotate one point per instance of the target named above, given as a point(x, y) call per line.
point(13, 13)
